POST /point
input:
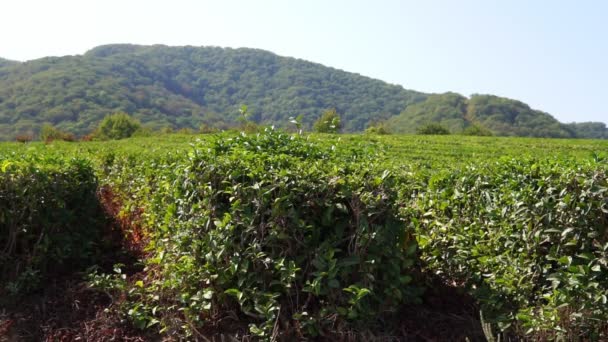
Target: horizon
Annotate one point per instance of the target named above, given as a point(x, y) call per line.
point(546, 54)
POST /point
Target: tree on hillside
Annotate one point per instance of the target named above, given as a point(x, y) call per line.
point(590, 130)
point(477, 130)
point(329, 122)
point(432, 129)
point(48, 133)
point(378, 127)
point(117, 126)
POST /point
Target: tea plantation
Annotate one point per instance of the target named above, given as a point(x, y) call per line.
point(280, 236)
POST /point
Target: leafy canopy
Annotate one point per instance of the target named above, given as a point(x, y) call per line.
point(117, 126)
point(433, 129)
point(329, 122)
point(49, 133)
point(186, 87)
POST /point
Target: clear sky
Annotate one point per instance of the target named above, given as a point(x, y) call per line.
point(552, 54)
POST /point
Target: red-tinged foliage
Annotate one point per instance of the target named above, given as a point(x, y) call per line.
point(129, 224)
point(23, 138)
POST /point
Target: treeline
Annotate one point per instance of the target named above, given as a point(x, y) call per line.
point(121, 125)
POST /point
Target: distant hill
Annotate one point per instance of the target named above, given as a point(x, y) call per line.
point(6, 62)
point(502, 116)
point(591, 130)
point(190, 86)
point(186, 87)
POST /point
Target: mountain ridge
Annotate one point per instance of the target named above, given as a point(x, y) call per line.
point(6, 62)
point(189, 86)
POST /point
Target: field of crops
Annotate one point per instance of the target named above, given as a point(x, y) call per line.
point(282, 236)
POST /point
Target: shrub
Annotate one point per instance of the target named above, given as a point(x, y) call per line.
point(250, 127)
point(527, 238)
point(49, 133)
point(207, 129)
point(23, 138)
point(185, 130)
point(279, 230)
point(477, 130)
point(69, 137)
point(50, 220)
point(432, 129)
point(329, 122)
point(117, 126)
point(167, 130)
point(380, 128)
point(144, 131)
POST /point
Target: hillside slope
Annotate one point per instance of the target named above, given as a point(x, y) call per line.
point(185, 87)
point(502, 116)
point(190, 86)
point(6, 62)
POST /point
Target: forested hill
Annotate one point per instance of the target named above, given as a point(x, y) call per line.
point(498, 115)
point(190, 86)
point(186, 87)
point(6, 62)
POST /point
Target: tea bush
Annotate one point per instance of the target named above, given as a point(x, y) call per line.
point(303, 236)
point(528, 237)
point(289, 235)
point(50, 219)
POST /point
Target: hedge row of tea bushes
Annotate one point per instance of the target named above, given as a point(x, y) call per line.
point(292, 238)
point(50, 219)
point(279, 235)
point(305, 238)
point(527, 237)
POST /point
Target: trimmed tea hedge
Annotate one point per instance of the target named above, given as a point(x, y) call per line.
point(529, 238)
point(276, 229)
point(50, 219)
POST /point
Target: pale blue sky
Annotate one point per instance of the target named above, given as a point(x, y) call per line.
point(551, 54)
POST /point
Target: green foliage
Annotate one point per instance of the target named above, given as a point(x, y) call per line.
point(378, 127)
point(510, 117)
point(117, 126)
point(274, 230)
point(432, 129)
point(247, 125)
point(443, 109)
point(501, 116)
point(49, 133)
point(185, 87)
point(329, 122)
point(477, 130)
point(50, 220)
point(278, 228)
point(7, 62)
point(297, 121)
point(167, 130)
point(206, 129)
point(146, 131)
point(591, 130)
point(527, 237)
